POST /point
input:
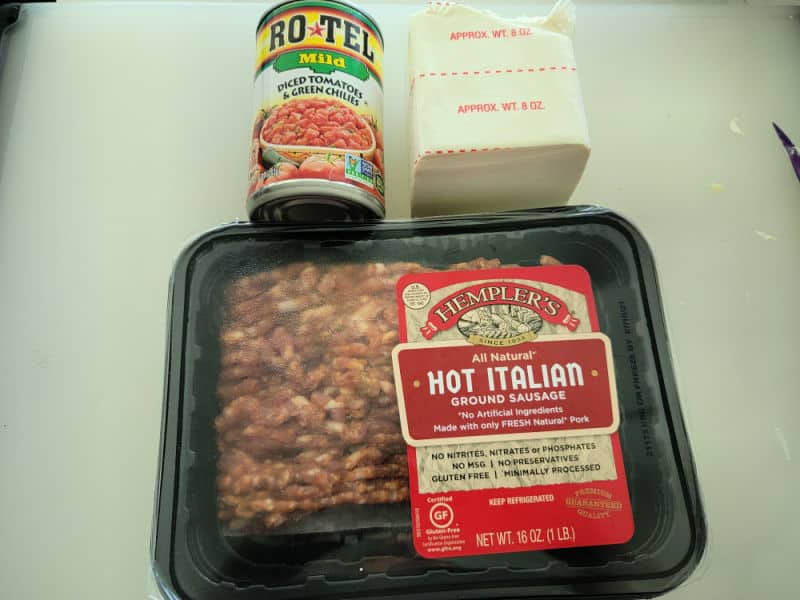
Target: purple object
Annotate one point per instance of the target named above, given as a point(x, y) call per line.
point(791, 149)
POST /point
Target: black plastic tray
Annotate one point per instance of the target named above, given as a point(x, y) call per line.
point(367, 552)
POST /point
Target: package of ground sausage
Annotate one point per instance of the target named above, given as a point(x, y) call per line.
point(443, 408)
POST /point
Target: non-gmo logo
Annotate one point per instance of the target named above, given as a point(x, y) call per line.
point(441, 515)
point(358, 169)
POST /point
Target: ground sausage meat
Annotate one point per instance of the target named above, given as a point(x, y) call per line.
point(308, 416)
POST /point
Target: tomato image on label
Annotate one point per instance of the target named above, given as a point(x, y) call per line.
point(282, 171)
point(317, 122)
point(322, 166)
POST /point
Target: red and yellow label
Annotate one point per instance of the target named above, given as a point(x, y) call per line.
point(327, 34)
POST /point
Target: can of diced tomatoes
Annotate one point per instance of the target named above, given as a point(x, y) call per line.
point(317, 138)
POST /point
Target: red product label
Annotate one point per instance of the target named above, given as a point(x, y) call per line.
point(510, 413)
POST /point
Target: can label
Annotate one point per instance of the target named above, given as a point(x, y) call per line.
point(508, 404)
point(319, 97)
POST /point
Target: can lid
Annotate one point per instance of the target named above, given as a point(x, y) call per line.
point(313, 201)
point(311, 210)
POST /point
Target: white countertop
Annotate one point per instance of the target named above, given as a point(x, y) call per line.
point(123, 133)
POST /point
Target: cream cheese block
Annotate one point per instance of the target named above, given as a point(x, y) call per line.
point(496, 115)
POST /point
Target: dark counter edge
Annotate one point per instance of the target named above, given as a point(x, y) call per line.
point(9, 14)
point(10, 11)
point(170, 437)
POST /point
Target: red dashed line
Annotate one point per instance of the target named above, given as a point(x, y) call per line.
point(563, 68)
point(454, 150)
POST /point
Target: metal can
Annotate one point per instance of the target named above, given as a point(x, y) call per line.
point(317, 138)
